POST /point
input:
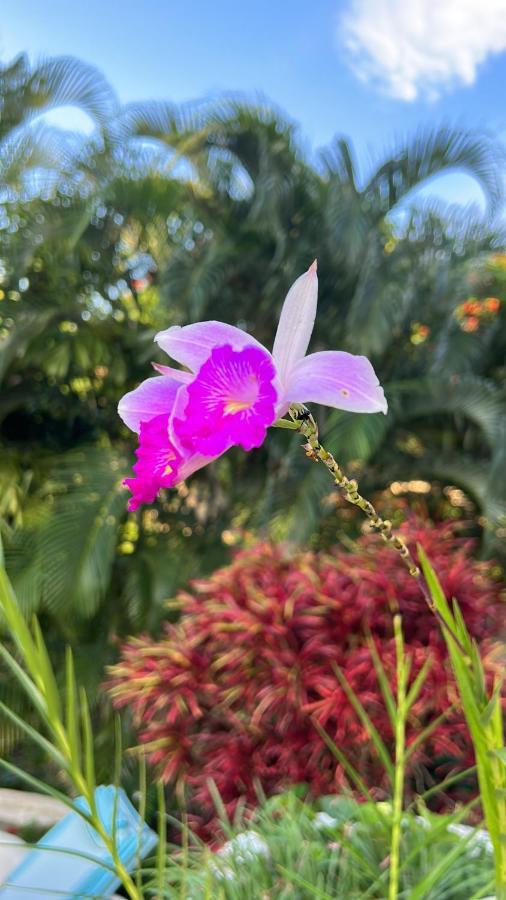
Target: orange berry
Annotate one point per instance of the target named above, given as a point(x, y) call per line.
point(470, 324)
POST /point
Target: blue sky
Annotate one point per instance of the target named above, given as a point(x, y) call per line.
point(335, 66)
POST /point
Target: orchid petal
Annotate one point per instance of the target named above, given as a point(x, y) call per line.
point(296, 323)
point(231, 401)
point(153, 397)
point(178, 413)
point(178, 374)
point(191, 345)
point(338, 379)
point(193, 463)
point(158, 463)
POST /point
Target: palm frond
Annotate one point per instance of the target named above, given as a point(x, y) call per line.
point(476, 399)
point(67, 81)
point(430, 152)
point(353, 437)
point(63, 556)
point(338, 160)
point(38, 152)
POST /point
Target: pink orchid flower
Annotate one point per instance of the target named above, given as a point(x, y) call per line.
point(232, 390)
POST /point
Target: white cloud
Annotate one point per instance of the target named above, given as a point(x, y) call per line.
point(410, 48)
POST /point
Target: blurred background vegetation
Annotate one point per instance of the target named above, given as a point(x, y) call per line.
point(171, 214)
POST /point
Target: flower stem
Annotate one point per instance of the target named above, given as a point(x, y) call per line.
point(400, 762)
point(306, 425)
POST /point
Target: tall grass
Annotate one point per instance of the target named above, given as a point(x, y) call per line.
point(483, 711)
point(66, 720)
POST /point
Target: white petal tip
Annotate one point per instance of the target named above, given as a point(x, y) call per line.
point(167, 331)
point(163, 370)
point(313, 267)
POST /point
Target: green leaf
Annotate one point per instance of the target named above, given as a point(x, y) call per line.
point(71, 710)
point(424, 733)
point(88, 751)
point(354, 776)
point(52, 752)
point(418, 683)
point(47, 679)
point(162, 838)
point(490, 710)
point(470, 683)
point(362, 714)
point(432, 878)
point(500, 754)
point(386, 690)
point(32, 691)
point(16, 622)
point(311, 888)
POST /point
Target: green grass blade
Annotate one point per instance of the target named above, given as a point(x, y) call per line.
point(143, 791)
point(71, 709)
point(418, 683)
point(468, 673)
point(432, 878)
point(88, 751)
point(351, 772)
point(383, 682)
point(484, 891)
point(162, 840)
point(220, 808)
point(312, 890)
point(371, 729)
point(47, 677)
point(117, 774)
point(30, 689)
point(45, 745)
point(447, 782)
point(427, 731)
point(17, 623)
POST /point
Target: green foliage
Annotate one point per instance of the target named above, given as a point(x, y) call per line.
point(335, 847)
point(483, 712)
point(69, 744)
point(338, 848)
point(59, 554)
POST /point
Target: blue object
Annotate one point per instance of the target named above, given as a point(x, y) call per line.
point(47, 873)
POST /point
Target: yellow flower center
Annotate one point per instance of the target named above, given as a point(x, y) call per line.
point(235, 406)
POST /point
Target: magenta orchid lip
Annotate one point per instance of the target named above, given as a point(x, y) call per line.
point(233, 389)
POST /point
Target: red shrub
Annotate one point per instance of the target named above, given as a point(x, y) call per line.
point(230, 690)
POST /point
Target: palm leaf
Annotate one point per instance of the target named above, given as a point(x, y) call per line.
point(430, 152)
point(67, 81)
point(64, 559)
point(476, 399)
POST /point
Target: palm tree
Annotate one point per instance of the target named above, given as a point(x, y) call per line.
point(270, 211)
point(215, 218)
point(26, 93)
